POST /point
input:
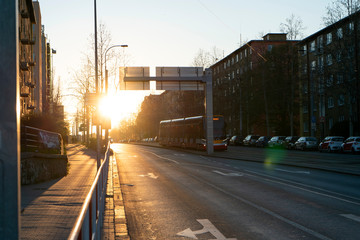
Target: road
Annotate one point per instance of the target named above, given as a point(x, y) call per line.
point(170, 194)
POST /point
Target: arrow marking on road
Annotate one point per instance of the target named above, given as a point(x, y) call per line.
point(150, 175)
point(299, 172)
point(233, 174)
point(207, 227)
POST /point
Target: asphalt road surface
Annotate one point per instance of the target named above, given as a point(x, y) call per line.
point(170, 194)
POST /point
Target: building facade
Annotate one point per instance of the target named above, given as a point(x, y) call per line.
point(27, 60)
point(329, 80)
point(36, 80)
point(245, 85)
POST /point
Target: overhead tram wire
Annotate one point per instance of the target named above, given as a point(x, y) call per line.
point(220, 20)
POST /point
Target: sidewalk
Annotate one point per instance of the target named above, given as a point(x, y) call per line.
point(50, 209)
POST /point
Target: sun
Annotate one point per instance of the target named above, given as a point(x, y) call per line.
point(121, 105)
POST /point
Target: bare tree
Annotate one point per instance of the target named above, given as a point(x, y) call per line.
point(206, 58)
point(293, 26)
point(339, 9)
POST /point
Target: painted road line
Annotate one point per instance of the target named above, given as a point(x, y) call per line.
point(233, 174)
point(351, 216)
point(150, 175)
point(208, 227)
point(288, 171)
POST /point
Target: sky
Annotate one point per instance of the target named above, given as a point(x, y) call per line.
point(165, 32)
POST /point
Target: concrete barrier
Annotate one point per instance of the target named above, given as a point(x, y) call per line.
point(39, 167)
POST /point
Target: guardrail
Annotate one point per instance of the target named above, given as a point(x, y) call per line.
point(38, 140)
point(90, 221)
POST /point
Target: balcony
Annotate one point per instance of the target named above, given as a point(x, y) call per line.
point(24, 91)
point(24, 66)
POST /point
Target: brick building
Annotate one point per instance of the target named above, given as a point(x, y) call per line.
point(244, 86)
point(329, 80)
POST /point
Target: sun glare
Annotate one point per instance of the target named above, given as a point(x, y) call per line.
point(121, 106)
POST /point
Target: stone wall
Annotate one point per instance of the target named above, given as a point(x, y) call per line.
point(38, 167)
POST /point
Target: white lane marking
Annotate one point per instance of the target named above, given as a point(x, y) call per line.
point(293, 185)
point(269, 212)
point(232, 174)
point(288, 171)
point(150, 175)
point(207, 227)
point(351, 216)
point(169, 159)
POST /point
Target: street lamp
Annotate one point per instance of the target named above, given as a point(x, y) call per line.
point(106, 71)
point(107, 85)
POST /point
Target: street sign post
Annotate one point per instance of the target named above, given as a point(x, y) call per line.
point(176, 78)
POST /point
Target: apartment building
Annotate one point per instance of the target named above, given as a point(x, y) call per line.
point(329, 80)
point(27, 59)
point(36, 85)
point(249, 85)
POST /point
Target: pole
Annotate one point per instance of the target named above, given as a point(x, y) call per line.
point(9, 122)
point(97, 91)
point(209, 112)
point(107, 85)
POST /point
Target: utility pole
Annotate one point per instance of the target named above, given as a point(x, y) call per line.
point(97, 92)
point(9, 122)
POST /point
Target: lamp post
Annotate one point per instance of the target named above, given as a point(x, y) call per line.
point(107, 84)
point(97, 90)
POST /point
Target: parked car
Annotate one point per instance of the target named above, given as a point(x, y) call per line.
point(331, 144)
point(250, 140)
point(236, 140)
point(306, 143)
point(276, 141)
point(262, 141)
point(289, 142)
point(351, 144)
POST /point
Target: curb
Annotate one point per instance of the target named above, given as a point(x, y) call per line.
point(121, 231)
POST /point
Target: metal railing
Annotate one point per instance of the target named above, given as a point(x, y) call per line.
point(90, 220)
point(38, 140)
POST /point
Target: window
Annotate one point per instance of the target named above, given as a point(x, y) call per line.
point(341, 118)
point(330, 80)
point(330, 102)
point(313, 65)
point(338, 56)
point(303, 50)
point(237, 58)
point(321, 62)
point(251, 65)
point(305, 108)
point(250, 51)
point(312, 46)
point(320, 42)
point(329, 59)
point(339, 33)
point(328, 38)
point(340, 78)
point(341, 100)
point(305, 88)
point(351, 27)
point(224, 65)
point(269, 48)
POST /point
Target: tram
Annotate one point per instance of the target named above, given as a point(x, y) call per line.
point(190, 132)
